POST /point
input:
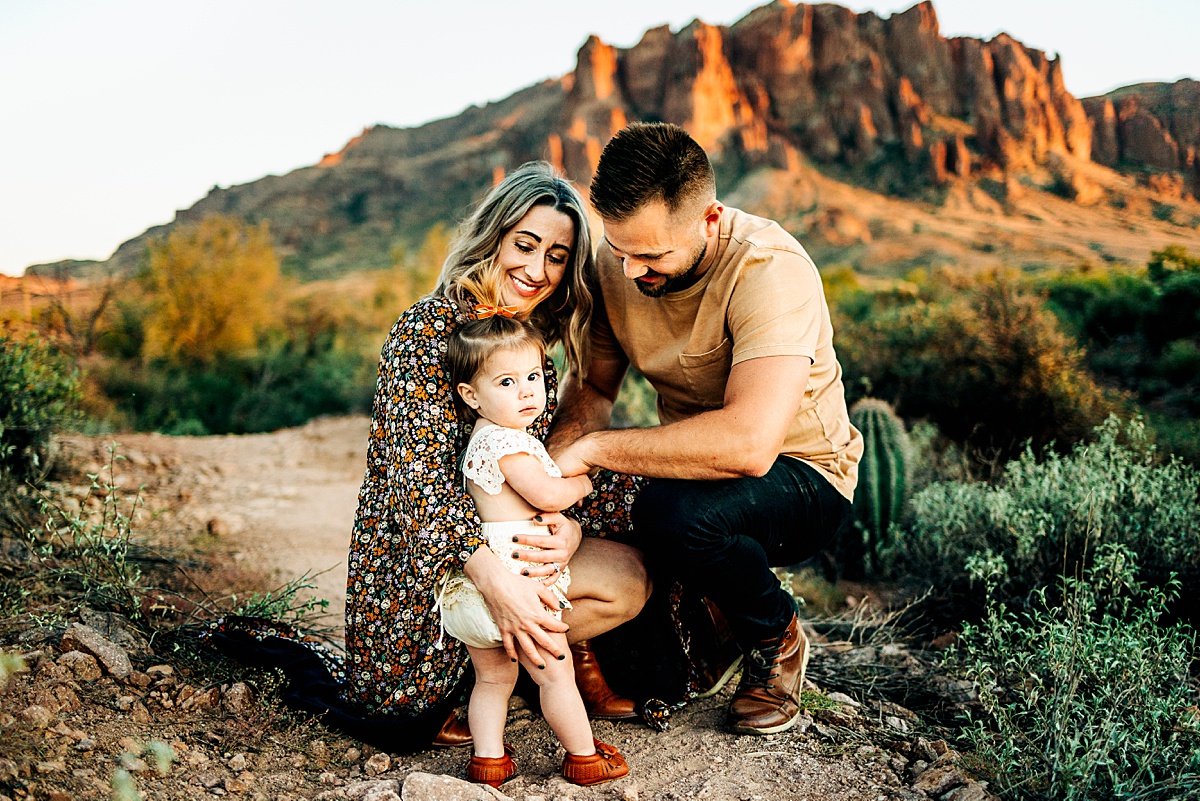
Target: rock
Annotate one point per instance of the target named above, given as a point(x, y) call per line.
point(8, 770)
point(39, 717)
point(84, 638)
point(630, 792)
point(352, 755)
point(971, 791)
point(842, 698)
point(159, 671)
point(132, 763)
point(237, 763)
point(51, 766)
point(139, 713)
point(218, 528)
point(428, 787)
point(939, 779)
point(377, 764)
point(237, 698)
point(85, 745)
point(83, 666)
point(236, 786)
point(140, 680)
point(833, 717)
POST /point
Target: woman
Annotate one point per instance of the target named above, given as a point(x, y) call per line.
point(526, 249)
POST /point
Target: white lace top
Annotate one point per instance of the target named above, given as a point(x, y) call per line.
point(481, 460)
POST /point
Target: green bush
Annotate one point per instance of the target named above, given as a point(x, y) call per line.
point(988, 365)
point(39, 393)
point(1047, 513)
point(1086, 697)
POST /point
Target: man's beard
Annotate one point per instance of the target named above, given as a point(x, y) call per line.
point(676, 282)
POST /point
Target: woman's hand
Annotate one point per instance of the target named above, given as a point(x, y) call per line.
point(553, 550)
point(518, 606)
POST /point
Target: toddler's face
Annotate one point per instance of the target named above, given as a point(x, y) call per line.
point(510, 390)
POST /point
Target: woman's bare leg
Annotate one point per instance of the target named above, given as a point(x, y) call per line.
point(495, 678)
point(561, 704)
point(609, 585)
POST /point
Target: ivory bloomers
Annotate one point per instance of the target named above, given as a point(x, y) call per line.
point(464, 614)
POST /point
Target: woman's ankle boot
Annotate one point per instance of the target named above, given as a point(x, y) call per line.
point(598, 697)
point(454, 732)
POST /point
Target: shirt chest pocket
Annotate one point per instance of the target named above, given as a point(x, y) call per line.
point(706, 374)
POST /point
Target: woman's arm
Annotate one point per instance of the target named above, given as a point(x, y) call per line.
point(526, 475)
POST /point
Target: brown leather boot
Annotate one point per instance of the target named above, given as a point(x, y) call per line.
point(768, 699)
point(454, 732)
point(599, 699)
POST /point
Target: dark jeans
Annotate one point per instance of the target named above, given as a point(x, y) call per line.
point(722, 537)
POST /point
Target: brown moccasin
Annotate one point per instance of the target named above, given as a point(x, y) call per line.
point(492, 771)
point(603, 766)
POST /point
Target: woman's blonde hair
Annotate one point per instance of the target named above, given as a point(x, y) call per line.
point(470, 274)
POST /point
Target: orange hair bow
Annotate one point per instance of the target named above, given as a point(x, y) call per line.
point(483, 310)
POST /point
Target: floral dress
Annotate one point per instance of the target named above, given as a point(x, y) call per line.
point(415, 520)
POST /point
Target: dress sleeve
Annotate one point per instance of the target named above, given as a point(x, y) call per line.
point(437, 516)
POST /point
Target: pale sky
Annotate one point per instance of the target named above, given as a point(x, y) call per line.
point(115, 113)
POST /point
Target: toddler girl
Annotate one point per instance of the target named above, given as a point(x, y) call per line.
point(496, 370)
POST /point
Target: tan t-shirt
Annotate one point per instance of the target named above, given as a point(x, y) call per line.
point(761, 297)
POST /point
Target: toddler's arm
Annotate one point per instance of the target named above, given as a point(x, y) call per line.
point(527, 477)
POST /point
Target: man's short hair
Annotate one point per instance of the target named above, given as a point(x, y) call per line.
point(646, 162)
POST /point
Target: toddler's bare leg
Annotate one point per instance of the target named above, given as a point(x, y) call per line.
point(561, 703)
point(495, 678)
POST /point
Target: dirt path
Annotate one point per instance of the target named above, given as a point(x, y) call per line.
point(283, 501)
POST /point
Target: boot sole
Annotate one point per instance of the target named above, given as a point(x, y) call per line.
point(730, 673)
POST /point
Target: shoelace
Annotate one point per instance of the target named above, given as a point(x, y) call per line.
point(763, 666)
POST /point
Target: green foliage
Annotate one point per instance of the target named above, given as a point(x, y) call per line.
point(984, 345)
point(1141, 330)
point(883, 477)
point(39, 393)
point(637, 403)
point(1086, 696)
point(1047, 512)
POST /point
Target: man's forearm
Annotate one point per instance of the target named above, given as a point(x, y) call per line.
point(709, 446)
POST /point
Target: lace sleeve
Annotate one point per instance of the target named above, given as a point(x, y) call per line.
point(481, 461)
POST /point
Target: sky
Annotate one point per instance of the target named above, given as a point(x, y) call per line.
point(116, 113)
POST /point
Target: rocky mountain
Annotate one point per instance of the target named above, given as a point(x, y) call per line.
point(877, 140)
point(1154, 127)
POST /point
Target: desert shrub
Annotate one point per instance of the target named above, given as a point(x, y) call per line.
point(39, 393)
point(1048, 511)
point(1086, 696)
point(283, 386)
point(988, 365)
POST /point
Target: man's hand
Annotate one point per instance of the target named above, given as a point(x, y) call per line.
point(572, 460)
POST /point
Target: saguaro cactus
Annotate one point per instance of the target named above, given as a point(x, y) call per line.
point(882, 481)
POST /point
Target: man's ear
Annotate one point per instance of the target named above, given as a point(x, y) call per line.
point(712, 218)
point(467, 393)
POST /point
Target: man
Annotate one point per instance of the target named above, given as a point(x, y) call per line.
point(755, 462)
